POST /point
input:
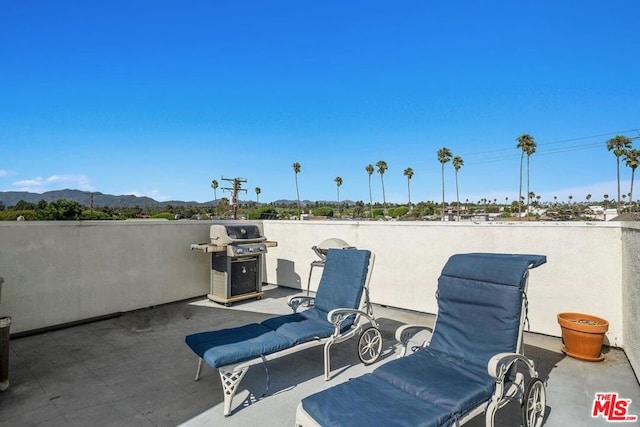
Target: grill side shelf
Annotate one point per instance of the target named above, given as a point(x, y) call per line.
point(207, 247)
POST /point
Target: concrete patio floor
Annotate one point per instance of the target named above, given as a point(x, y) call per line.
point(135, 370)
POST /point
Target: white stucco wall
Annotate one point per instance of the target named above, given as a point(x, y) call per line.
point(583, 271)
point(59, 272)
point(631, 293)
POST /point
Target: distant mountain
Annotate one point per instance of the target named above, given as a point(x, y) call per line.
point(10, 198)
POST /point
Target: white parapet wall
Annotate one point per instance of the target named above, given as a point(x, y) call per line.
point(60, 272)
point(583, 272)
point(630, 260)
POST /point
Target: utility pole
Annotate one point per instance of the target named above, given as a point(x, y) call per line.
point(235, 189)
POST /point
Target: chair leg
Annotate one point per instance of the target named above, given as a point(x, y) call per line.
point(199, 369)
point(327, 360)
point(490, 413)
point(230, 381)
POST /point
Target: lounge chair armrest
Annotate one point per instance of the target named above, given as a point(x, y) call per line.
point(296, 301)
point(405, 332)
point(338, 315)
point(500, 364)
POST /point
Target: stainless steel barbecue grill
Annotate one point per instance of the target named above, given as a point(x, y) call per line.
point(237, 256)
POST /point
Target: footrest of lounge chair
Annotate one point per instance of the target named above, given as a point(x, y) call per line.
point(234, 345)
point(366, 400)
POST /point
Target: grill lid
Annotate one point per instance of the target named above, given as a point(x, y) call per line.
point(325, 245)
point(235, 234)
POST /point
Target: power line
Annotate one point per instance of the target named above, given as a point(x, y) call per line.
point(552, 151)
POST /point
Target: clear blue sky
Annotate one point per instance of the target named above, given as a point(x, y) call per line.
point(158, 98)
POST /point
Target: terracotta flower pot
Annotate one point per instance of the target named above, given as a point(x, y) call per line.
point(583, 335)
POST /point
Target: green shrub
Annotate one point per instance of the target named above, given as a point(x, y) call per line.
point(397, 212)
point(29, 215)
point(164, 215)
point(261, 212)
point(323, 211)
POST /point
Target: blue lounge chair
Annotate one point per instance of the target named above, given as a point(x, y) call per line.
point(469, 367)
point(340, 310)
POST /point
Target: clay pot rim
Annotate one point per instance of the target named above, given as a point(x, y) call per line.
point(583, 322)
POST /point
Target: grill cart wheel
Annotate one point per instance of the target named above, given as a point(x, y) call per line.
point(369, 345)
point(534, 403)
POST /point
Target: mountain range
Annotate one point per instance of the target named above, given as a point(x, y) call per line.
point(10, 198)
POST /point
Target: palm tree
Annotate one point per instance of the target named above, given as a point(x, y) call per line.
point(338, 181)
point(457, 164)
point(214, 185)
point(408, 172)
point(382, 168)
point(296, 169)
point(631, 158)
point(258, 191)
point(528, 146)
point(619, 145)
point(444, 156)
point(370, 170)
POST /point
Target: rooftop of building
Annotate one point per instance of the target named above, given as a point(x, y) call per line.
point(135, 370)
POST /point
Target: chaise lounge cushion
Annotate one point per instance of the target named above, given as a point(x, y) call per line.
point(439, 379)
point(234, 345)
point(371, 401)
point(343, 279)
point(299, 328)
point(342, 283)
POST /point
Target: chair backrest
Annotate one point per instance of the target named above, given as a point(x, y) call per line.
point(480, 300)
point(343, 279)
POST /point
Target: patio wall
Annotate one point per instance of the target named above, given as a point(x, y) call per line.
point(59, 272)
point(583, 272)
point(62, 271)
point(631, 293)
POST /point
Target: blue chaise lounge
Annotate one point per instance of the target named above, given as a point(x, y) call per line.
point(340, 310)
point(472, 365)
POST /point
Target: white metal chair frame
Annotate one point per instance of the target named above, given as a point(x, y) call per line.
point(532, 396)
point(369, 343)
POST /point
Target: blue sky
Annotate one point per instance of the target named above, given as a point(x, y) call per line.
point(158, 98)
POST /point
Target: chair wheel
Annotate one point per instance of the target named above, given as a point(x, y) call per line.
point(369, 345)
point(534, 403)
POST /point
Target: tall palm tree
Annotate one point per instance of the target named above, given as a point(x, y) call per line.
point(631, 158)
point(528, 146)
point(619, 145)
point(408, 172)
point(258, 191)
point(214, 185)
point(382, 168)
point(370, 170)
point(444, 156)
point(338, 181)
point(296, 169)
point(457, 164)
